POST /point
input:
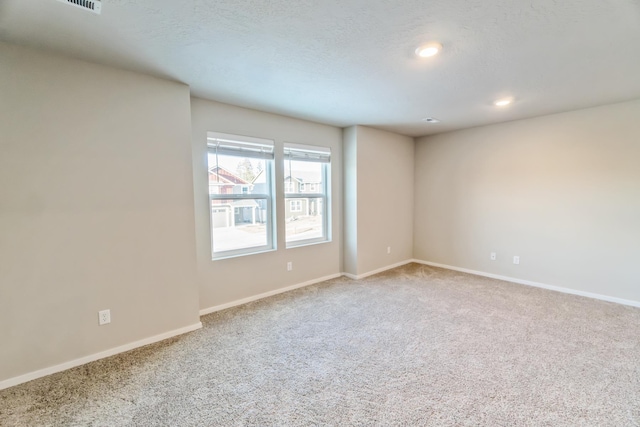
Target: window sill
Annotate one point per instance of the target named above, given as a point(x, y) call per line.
point(261, 251)
point(306, 243)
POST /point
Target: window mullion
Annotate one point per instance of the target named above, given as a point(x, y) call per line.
point(239, 196)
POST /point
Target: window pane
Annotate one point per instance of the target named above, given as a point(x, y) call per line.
point(304, 218)
point(238, 224)
point(305, 200)
point(241, 221)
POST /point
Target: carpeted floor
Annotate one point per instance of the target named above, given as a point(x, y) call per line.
point(415, 346)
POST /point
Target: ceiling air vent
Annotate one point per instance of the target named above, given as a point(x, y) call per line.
point(91, 5)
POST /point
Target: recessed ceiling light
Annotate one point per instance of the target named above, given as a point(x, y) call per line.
point(429, 49)
point(503, 102)
point(430, 120)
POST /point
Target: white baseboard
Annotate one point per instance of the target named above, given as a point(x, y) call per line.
point(534, 284)
point(242, 301)
point(376, 271)
point(93, 357)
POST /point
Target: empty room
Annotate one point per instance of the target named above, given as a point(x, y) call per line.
point(336, 213)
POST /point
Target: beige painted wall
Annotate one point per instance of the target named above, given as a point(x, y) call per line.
point(561, 191)
point(384, 182)
point(96, 209)
point(227, 280)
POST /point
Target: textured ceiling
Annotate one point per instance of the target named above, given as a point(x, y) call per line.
point(346, 62)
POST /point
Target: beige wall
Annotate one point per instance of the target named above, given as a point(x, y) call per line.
point(382, 177)
point(96, 209)
point(227, 280)
point(561, 191)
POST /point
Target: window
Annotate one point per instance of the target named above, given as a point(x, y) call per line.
point(307, 209)
point(240, 194)
point(289, 187)
point(295, 206)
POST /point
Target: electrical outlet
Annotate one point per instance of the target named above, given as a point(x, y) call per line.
point(104, 317)
point(388, 249)
point(289, 266)
point(493, 256)
point(516, 260)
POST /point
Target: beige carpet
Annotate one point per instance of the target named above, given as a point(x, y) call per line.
point(416, 346)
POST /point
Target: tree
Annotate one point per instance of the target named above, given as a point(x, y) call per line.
point(245, 170)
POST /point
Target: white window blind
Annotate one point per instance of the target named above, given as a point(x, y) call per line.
point(245, 146)
point(307, 153)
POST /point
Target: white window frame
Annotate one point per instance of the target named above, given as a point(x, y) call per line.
point(244, 146)
point(316, 154)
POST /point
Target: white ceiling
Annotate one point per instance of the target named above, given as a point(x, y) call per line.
point(346, 62)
